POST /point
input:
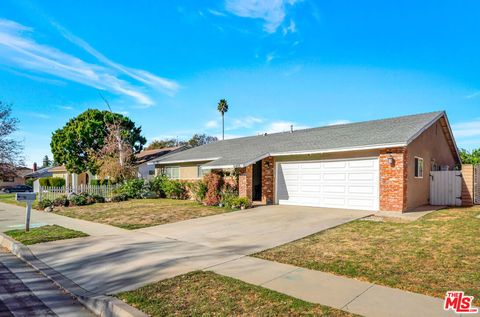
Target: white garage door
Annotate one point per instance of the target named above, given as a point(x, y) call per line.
point(351, 184)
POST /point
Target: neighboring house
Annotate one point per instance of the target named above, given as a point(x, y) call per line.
point(39, 173)
point(71, 179)
point(372, 165)
point(146, 170)
point(16, 177)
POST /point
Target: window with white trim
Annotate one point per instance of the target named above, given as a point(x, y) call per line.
point(172, 172)
point(418, 167)
point(200, 171)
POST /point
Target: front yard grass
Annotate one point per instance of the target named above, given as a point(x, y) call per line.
point(432, 255)
point(44, 234)
point(10, 199)
point(140, 213)
point(209, 294)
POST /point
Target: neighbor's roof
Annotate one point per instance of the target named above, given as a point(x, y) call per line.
point(41, 172)
point(60, 168)
point(148, 155)
point(241, 152)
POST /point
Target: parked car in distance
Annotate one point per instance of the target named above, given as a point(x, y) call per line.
point(17, 189)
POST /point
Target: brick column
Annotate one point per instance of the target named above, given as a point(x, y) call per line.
point(268, 180)
point(245, 182)
point(393, 179)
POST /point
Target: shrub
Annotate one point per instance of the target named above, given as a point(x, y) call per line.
point(29, 182)
point(61, 201)
point(134, 188)
point(156, 185)
point(78, 200)
point(44, 203)
point(228, 200)
point(100, 182)
point(174, 189)
point(52, 181)
point(240, 202)
point(118, 198)
point(214, 183)
point(198, 190)
point(98, 199)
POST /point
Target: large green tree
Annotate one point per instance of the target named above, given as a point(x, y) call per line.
point(468, 157)
point(73, 144)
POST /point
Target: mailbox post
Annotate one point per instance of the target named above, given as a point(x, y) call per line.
point(29, 198)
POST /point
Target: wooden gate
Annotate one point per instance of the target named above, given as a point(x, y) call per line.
point(476, 184)
point(446, 188)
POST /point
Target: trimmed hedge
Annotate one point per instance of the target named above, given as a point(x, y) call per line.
point(52, 181)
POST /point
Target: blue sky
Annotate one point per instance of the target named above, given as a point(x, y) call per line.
point(166, 64)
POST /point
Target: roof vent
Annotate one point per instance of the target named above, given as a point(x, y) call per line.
point(291, 128)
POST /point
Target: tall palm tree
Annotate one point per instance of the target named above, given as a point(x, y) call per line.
point(222, 108)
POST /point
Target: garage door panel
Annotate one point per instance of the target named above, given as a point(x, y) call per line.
point(362, 164)
point(365, 176)
point(334, 176)
point(334, 165)
point(351, 184)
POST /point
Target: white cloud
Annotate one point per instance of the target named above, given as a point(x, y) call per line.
point(66, 107)
point(212, 124)
point(270, 57)
point(272, 12)
point(473, 95)
point(18, 49)
point(291, 28)
point(215, 12)
point(38, 115)
point(243, 123)
point(337, 122)
point(467, 129)
point(283, 126)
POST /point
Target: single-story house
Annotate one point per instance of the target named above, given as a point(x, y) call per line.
point(14, 177)
point(71, 179)
point(147, 171)
point(373, 165)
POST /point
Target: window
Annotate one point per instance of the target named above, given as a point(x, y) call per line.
point(172, 172)
point(418, 167)
point(201, 172)
point(151, 172)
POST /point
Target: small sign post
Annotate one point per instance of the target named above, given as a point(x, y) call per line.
point(29, 198)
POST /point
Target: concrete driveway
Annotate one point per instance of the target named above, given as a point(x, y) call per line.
point(254, 230)
point(114, 263)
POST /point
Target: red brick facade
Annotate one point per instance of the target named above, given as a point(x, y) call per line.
point(268, 180)
point(393, 179)
point(245, 182)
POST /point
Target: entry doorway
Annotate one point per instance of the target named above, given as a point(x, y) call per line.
point(257, 181)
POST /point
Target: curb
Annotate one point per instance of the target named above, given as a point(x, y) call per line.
point(101, 305)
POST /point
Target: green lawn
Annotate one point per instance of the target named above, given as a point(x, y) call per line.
point(10, 199)
point(209, 294)
point(140, 213)
point(432, 255)
point(44, 234)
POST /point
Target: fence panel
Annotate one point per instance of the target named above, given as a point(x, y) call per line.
point(446, 188)
point(476, 184)
point(48, 192)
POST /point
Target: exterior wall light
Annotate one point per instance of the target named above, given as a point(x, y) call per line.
point(267, 164)
point(391, 160)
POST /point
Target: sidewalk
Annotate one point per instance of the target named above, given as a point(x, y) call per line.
point(13, 217)
point(25, 292)
point(348, 294)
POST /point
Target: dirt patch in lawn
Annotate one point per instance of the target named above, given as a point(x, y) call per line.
point(432, 255)
point(209, 294)
point(140, 213)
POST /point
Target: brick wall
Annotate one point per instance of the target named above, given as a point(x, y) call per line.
point(467, 185)
point(393, 179)
point(268, 180)
point(245, 180)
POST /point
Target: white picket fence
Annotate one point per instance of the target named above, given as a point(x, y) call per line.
point(48, 192)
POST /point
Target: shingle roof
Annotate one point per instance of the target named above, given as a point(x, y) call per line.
point(240, 152)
